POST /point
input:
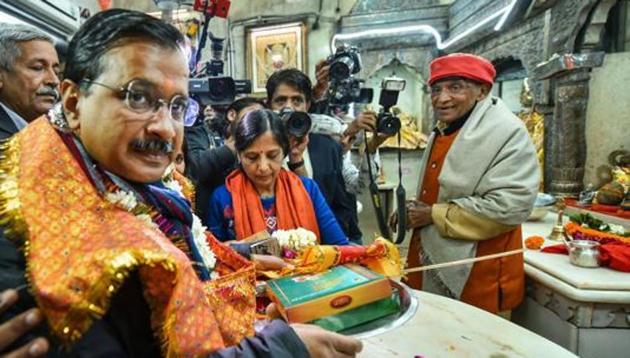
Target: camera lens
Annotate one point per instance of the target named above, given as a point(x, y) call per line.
point(341, 68)
point(388, 124)
point(298, 124)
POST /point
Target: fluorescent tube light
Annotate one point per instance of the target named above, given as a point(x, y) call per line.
point(503, 13)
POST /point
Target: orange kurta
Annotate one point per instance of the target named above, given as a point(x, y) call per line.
point(493, 285)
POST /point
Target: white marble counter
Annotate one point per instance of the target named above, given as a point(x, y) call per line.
point(443, 327)
point(581, 284)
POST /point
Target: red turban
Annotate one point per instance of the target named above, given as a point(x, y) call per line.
point(462, 65)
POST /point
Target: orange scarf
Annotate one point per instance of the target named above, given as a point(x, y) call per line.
point(79, 250)
point(293, 204)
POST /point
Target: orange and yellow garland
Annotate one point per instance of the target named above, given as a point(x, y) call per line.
point(572, 228)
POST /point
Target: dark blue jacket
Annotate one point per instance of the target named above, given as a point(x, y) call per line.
point(327, 162)
point(7, 127)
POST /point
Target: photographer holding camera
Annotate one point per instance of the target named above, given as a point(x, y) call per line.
point(335, 90)
point(313, 155)
point(337, 126)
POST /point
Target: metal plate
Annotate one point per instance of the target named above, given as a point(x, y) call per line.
point(408, 308)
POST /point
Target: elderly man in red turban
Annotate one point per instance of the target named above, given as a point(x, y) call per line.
point(478, 182)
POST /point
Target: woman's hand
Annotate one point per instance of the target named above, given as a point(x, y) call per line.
point(269, 263)
point(17, 326)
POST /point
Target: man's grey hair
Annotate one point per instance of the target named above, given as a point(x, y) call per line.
point(11, 35)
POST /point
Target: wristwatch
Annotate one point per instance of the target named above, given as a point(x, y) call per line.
point(293, 166)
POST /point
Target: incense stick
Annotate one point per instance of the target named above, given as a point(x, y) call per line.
point(464, 261)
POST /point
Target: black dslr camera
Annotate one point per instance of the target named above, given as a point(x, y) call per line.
point(210, 87)
point(344, 88)
point(298, 124)
point(387, 122)
point(344, 63)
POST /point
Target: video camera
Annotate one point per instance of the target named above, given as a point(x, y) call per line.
point(344, 88)
point(387, 122)
point(211, 87)
point(298, 124)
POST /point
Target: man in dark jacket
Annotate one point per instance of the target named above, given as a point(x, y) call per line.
point(28, 76)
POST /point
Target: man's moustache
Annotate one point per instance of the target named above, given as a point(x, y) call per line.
point(153, 146)
point(48, 91)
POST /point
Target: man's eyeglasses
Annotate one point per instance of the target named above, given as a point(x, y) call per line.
point(142, 97)
point(449, 87)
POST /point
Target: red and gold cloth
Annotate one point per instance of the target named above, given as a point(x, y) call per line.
point(79, 249)
point(614, 249)
point(293, 205)
point(614, 210)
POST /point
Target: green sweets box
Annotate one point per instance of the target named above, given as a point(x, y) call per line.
point(307, 298)
point(360, 315)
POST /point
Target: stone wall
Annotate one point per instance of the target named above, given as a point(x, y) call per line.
point(608, 116)
point(91, 5)
point(249, 14)
point(412, 99)
point(465, 14)
point(533, 35)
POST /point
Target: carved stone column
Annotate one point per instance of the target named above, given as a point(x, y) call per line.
point(547, 112)
point(565, 140)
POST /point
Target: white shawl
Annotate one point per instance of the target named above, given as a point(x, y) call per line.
point(490, 170)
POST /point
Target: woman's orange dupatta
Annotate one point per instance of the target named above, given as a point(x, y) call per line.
point(293, 204)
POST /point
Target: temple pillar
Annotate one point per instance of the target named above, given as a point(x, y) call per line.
point(565, 139)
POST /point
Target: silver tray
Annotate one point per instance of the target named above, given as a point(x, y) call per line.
point(408, 308)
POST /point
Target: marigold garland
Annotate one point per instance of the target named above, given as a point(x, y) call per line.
point(534, 242)
point(579, 232)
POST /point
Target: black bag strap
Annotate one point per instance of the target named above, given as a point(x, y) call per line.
point(401, 197)
point(375, 195)
point(376, 198)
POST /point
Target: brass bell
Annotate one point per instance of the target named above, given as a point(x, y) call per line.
point(557, 233)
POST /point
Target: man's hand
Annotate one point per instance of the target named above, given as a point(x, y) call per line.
point(418, 214)
point(230, 144)
point(323, 79)
point(297, 146)
point(365, 120)
point(393, 221)
point(17, 326)
point(273, 312)
point(324, 344)
point(296, 155)
point(346, 143)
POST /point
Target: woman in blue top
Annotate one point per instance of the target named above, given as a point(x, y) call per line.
point(262, 195)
